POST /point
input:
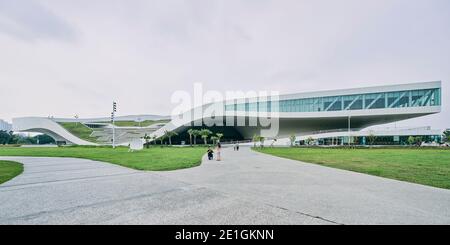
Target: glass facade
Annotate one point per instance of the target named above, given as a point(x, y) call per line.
point(397, 99)
point(380, 140)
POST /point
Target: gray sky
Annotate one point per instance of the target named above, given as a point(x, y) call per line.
point(61, 57)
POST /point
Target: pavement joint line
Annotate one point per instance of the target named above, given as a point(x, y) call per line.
point(237, 196)
point(305, 214)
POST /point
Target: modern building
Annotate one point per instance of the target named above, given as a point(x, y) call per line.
point(5, 126)
point(301, 114)
point(382, 136)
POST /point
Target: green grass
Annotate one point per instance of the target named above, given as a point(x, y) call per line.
point(79, 130)
point(154, 158)
point(136, 124)
point(9, 170)
point(423, 166)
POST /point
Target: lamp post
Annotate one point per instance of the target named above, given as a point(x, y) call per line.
point(113, 126)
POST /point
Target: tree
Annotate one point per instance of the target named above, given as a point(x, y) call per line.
point(162, 138)
point(191, 133)
point(43, 139)
point(214, 139)
point(195, 133)
point(204, 133)
point(371, 138)
point(261, 140)
point(419, 140)
point(258, 138)
point(24, 141)
point(411, 140)
point(5, 137)
point(292, 138)
point(14, 138)
point(169, 135)
point(255, 139)
point(147, 139)
point(447, 135)
point(219, 137)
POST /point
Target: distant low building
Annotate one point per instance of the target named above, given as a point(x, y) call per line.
point(5, 126)
point(386, 136)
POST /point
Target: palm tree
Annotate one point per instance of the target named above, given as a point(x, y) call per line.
point(219, 136)
point(147, 140)
point(419, 140)
point(204, 133)
point(261, 140)
point(447, 136)
point(169, 135)
point(191, 133)
point(292, 138)
point(371, 138)
point(214, 139)
point(161, 139)
point(255, 138)
point(309, 140)
point(195, 133)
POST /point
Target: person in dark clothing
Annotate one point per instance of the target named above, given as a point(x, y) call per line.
point(210, 154)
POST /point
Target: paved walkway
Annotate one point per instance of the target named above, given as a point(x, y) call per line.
point(246, 188)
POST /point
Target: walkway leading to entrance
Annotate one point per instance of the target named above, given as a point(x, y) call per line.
point(246, 188)
point(329, 194)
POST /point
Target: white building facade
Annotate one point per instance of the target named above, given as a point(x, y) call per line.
point(5, 126)
point(300, 114)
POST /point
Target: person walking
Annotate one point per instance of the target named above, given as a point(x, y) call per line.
point(218, 152)
point(237, 146)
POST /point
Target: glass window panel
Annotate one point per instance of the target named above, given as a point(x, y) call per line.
point(397, 99)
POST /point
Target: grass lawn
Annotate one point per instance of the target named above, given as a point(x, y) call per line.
point(9, 170)
point(422, 166)
point(137, 124)
point(79, 130)
point(154, 158)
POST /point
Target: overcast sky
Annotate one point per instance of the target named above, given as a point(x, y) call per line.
point(61, 57)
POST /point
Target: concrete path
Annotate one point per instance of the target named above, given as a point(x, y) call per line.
point(246, 188)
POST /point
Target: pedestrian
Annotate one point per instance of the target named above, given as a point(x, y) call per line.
point(218, 151)
point(237, 146)
point(210, 154)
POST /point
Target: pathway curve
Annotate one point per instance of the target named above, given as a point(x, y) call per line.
point(246, 188)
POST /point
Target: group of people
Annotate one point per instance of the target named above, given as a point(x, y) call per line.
point(217, 152)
